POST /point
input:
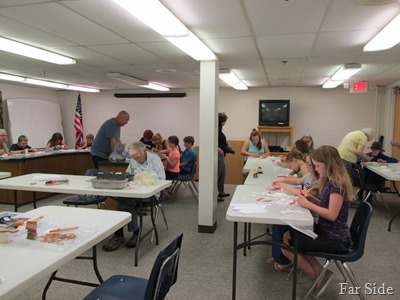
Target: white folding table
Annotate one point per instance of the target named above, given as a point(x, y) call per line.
point(78, 184)
point(390, 172)
point(24, 264)
point(5, 175)
point(255, 162)
point(275, 214)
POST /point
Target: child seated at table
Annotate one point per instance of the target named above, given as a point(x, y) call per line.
point(309, 185)
point(335, 190)
point(377, 156)
point(88, 144)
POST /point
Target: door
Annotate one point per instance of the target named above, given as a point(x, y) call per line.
point(396, 130)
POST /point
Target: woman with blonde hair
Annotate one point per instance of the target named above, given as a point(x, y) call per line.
point(161, 144)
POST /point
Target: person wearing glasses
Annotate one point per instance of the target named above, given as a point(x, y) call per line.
point(142, 160)
point(22, 146)
point(3, 145)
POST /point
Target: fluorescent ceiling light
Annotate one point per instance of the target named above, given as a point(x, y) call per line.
point(155, 15)
point(230, 78)
point(192, 46)
point(82, 89)
point(32, 52)
point(386, 38)
point(346, 72)
point(45, 83)
point(156, 87)
point(330, 84)
point(9, 77)
point(135, 81)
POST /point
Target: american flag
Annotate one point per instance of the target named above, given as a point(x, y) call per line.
point(78, 124)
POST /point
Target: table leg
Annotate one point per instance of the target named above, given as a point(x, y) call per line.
point(295, 252)
point(235, 231)
point(140, 233)
point(244, 238)
point(54, 277)
point(398, 212)
point(15, 201)
point(34, 200)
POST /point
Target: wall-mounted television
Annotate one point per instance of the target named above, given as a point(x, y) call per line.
point(273, 112)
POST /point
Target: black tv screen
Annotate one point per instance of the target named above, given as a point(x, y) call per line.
point(273, 112)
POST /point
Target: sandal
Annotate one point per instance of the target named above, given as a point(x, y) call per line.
point(283, 268)
point(270, 261)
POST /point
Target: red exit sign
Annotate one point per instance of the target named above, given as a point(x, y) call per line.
point(359, 87)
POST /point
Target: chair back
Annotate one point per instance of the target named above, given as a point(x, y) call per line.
point(358, 175)
point(193, 171)
point(359, 228)
point(165, 270)
point(90, 198)
point(92, 172)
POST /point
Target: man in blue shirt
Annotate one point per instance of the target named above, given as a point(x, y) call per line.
point(107, 137)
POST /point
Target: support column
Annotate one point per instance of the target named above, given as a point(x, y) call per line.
point(209, 89)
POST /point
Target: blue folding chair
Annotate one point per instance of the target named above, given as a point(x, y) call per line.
point(77, 200)
point(162, 277)
point(358, 232)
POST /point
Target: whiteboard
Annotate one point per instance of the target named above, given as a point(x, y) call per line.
point(37, 119)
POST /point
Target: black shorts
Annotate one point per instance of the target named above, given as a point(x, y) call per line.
point(321, 244)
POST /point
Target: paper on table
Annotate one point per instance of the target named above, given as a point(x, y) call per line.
point(46, 177)
point(250, 208)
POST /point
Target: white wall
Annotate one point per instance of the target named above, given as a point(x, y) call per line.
point(325, 114)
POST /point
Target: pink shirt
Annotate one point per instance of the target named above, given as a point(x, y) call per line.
point(174, 154)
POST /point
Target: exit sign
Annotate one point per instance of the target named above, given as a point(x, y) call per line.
point(359, 87)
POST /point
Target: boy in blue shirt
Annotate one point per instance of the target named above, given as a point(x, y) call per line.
point(188, 156)
point(377, 156)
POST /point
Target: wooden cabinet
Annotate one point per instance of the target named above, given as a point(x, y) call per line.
point(277, 136)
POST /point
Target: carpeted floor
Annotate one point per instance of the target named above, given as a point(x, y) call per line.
point(206, 260)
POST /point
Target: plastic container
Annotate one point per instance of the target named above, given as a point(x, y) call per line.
point(109, 184)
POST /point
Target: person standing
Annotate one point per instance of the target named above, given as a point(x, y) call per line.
point(107, 137)
point(223, 145)
point(353, 145)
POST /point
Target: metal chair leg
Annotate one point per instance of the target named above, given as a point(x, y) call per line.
point(316, 280)
point(352, 278)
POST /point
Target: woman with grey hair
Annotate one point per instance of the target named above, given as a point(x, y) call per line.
point(353, 146)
